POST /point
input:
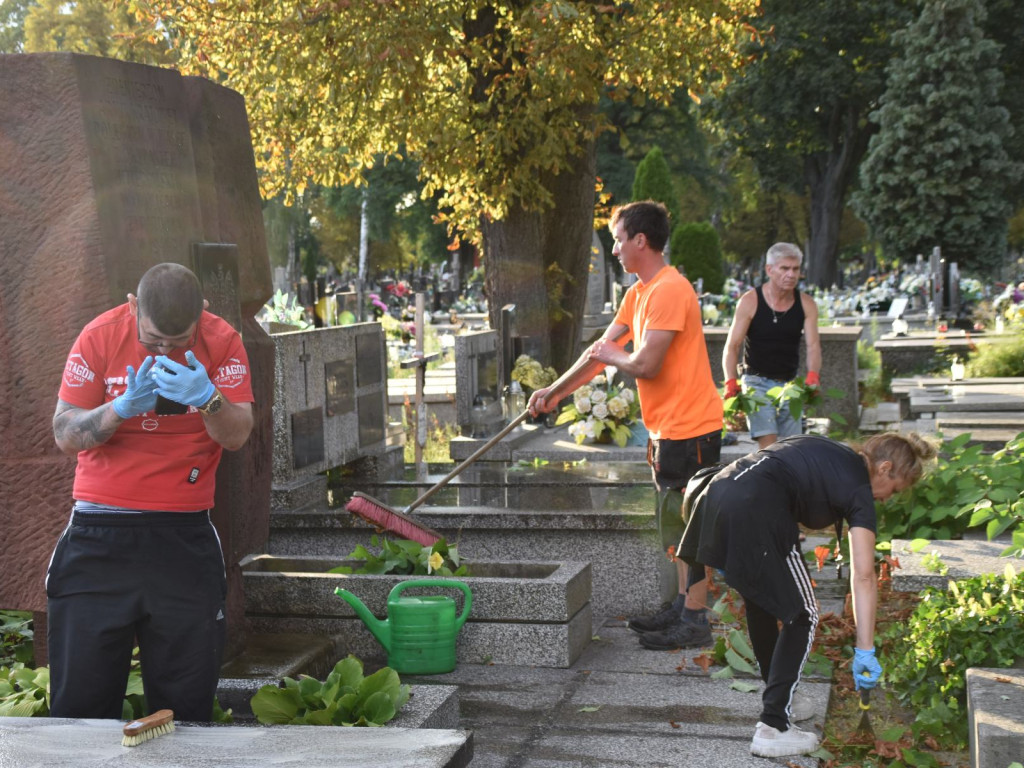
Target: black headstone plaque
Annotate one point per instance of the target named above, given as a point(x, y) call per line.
point(369, 354)
point(307, 437)
point(371, 419)
point(339, 378)
point(216, 265)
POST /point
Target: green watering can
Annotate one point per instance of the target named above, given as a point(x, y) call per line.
point(419, 633)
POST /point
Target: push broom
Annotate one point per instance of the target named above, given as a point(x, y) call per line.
point(384, 518)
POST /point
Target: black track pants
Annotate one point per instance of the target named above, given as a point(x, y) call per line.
point(781, 654)
point(155, 577)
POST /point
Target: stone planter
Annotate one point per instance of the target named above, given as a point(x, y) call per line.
point(524, 613)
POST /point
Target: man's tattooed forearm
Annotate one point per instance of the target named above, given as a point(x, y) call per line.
point(83, 429)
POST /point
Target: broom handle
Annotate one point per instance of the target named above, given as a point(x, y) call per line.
point(571, 380)
point(472, 457)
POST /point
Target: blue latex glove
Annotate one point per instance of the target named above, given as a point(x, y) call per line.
point(189, 385)
point(866, 669)
point(140, 391)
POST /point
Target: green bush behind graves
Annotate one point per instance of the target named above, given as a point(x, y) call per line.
point(967, 489)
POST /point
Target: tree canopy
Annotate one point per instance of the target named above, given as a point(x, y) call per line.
point(497, 101)
point(799, 107)
point(937, 172)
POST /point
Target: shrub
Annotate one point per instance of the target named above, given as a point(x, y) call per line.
point(653, 181)
point(697, 248)
point(975, 623)
point(999, 359)
point(966, 489)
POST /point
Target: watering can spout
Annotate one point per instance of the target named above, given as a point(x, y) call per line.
point(380, 629)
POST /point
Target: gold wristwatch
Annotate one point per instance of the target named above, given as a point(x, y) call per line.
point(212, 405)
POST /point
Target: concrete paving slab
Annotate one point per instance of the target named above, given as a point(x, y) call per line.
point(28, 742)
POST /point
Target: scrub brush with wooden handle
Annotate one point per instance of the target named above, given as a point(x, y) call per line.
point(146, 728)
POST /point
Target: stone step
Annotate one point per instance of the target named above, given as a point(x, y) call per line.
point(964, 559)
point(270, 657)
point(47, 742)
point(995, 701)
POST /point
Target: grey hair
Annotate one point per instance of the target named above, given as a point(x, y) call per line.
point(783, 251)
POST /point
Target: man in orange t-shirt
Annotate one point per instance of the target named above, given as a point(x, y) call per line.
point(681, 407)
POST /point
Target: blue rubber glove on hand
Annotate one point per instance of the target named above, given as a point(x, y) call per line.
point(866, 669)
point(140, 391)
point(189, 385)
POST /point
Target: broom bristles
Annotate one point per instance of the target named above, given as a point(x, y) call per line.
point(384, 518)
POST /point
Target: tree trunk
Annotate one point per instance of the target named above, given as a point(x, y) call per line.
point(540, 263)
point(828, 175)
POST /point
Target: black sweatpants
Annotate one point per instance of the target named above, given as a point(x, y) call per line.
point(781, 655)
point(154, 577)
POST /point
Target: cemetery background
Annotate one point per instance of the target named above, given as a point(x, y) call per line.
point(303, 360)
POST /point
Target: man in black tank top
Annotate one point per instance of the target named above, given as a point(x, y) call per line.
point(766, 329)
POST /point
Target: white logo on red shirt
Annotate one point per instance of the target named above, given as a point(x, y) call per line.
point(77, 372)
point(231, 375)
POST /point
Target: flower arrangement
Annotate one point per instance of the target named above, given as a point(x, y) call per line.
point(602, 411)
point(531, 374)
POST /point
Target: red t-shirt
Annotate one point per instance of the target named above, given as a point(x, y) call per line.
point(151, 462)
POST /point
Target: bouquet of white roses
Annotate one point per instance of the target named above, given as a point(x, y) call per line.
point(601, 411)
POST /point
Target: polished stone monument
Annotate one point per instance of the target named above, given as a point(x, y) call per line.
point(107, 168)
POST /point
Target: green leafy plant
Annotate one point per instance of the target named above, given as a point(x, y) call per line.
point(345, 698)
point(16, 637)
point(285, 308)
point(966, 489)
point(405, 557)
point(977, 622)
point(24, 691)
point(800, 398)
point(998, 359)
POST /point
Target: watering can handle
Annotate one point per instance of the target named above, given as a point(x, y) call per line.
point(449, 583)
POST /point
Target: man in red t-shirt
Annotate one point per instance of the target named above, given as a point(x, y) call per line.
point(153, 391)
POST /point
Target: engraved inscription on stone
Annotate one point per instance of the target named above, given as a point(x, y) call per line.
point(307, 437)
point(369, 357)
point(339, 377)
point(216, 265)
point(371, 419)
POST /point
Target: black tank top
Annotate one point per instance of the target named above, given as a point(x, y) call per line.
point(772, 346)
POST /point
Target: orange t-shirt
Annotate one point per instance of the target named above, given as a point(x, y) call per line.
point(681, 401)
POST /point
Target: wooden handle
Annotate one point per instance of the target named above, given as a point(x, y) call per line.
point(469, 460)
point(150, 721)
point(571, 380)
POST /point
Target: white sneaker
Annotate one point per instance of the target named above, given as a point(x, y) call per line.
point(802, 707)
point(770, 742)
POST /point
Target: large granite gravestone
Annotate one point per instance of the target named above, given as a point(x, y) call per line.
point(330, 407)
point(107, 168)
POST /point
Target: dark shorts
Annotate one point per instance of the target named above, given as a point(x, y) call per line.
point(673, 463)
